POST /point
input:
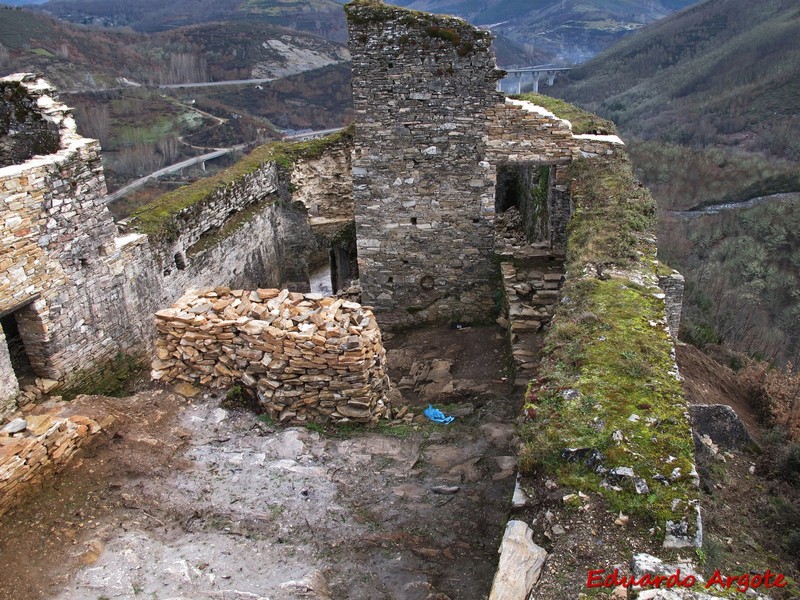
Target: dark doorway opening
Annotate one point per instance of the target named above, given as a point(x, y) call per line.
point(20, 361)
point(523, 196)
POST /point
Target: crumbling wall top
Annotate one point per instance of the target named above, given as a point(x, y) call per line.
point(32, 120)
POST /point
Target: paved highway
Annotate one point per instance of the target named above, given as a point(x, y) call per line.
point(209, 156)
point(174, 86)
point(170, 169)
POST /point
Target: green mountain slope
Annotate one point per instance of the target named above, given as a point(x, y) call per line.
point(707, 100)
point(112, 77)
point(722, 71)
point(87, 58)
point(321, 17)
point(533, 30)
point(570, 30)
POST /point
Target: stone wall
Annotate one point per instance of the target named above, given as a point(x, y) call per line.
point(306, 357)
point(673, 286)
point(81, 293)
point(323, 183)
point(34, 447)
point(423, 194)
point(60, 271)
point(431, 134)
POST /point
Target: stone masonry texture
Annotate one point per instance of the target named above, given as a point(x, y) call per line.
point(423, 193)
point(431, 133)
point(305, 356)
point(33, 448)
point(82, 292)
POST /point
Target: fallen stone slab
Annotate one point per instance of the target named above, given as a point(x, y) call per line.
point(15, 426)
point(521, 562)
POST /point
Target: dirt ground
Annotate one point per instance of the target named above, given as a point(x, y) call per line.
point(749, 508)
point(188, 500)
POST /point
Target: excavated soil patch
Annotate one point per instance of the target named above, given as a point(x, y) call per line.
point(705, 381)
point(189, 500)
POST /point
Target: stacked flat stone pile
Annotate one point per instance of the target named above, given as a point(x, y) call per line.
point(34, 447)
point(307, 357)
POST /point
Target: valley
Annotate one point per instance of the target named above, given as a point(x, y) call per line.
point(559, 361)
point(706, 101)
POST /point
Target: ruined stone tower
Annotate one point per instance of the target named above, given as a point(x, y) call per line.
point(437, 151)
point(424, 194)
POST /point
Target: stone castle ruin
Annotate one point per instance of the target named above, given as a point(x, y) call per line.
point(78, 292)
point(437, 154)
point(438, 158)
point(460, 200)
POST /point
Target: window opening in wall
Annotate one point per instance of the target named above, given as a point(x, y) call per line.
point(321, 278)
point(523, 201)
point(20, 361)
point(413, 220)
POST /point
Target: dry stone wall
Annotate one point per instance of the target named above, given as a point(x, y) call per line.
point(60, 270)
point(34, 447)
point(673, 285)
point(306, 357)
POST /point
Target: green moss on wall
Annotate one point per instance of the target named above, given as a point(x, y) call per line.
point(535, 211)
point(110, 378)
point(607, 356)
point(614, 215)
point(603, 346)
point(157, 218)
point(582, 121)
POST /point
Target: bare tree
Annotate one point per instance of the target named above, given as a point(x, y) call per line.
point(187, 68)
point(94, 122)
point(5, 56)
point(168, 148)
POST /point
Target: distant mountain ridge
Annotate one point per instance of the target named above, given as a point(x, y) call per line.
point(81, 58)
point(707, 101)
point(529, 31)
point(721, 71)
point(570, 30)
point(324, 18)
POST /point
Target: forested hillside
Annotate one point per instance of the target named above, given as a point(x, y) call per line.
point(528, 32)
point(324, 18)
point(568, 30)
point(114, 78)
point(723, 71)
point(707, 100)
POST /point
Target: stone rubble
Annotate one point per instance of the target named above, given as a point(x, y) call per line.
point(33, 447)
point(532, 275)
point(306, 357)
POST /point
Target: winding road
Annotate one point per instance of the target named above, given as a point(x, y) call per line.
point(204, 157)
point(714, 209)
point(170, 169)
point(175, 86)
